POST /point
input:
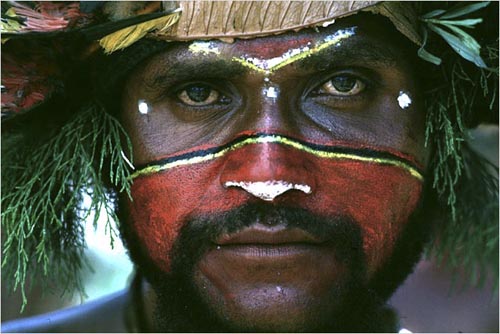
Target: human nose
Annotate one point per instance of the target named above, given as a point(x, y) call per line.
point(266, 167)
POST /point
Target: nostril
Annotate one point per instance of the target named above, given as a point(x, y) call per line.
point(268, 190)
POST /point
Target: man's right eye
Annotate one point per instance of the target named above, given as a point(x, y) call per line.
point(200, 95)
point(343, 85)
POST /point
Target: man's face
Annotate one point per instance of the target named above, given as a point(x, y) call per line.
point(294, 161)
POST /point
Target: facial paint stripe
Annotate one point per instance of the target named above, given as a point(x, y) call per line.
point(328, 152)
point(294, 55)
point(377, 197)
point(285, 139)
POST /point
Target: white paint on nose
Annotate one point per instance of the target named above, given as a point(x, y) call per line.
point(268, 190)
point(271, 92)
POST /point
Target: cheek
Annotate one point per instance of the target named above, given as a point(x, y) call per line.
point(163, 201)
point(377, 196)
point(380, 198)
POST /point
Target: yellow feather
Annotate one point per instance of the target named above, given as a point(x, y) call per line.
point(125, 37)
point(10, 25)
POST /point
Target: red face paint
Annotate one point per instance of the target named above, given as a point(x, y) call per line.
point(271, 49)
point(373, 187)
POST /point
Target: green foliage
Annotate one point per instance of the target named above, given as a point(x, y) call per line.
point(470, 240)
point(43, 184)
point(440, 22)
point(466, 185)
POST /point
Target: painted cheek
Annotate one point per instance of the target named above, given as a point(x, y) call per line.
point(163, 201)
point(379, 197)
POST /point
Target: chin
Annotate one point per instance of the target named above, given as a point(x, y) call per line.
point(305, 288)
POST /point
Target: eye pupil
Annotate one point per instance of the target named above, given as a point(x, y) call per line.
point(198, 93)
point(343, 83)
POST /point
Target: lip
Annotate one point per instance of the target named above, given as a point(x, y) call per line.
point(271, 236)
point(263, 248)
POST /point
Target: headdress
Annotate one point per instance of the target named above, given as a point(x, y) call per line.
point(60, 140)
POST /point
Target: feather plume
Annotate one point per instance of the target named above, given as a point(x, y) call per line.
point(8, 23)
point(44, 17)
point(127, 36)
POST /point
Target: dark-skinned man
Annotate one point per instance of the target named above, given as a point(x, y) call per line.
point(270, 161)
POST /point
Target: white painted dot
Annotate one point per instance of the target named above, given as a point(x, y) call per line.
point(271, 92)
point(404, 100)
point(203, 47)
point(327, 23)
point(143, 107)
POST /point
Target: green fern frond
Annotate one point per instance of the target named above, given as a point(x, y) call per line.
point(42, 217)
point(462, 180)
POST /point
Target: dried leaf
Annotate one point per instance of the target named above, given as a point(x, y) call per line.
point(248, 19)
point(403, 16)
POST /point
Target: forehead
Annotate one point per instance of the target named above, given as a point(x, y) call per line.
point(362, 37)
point(294, 66)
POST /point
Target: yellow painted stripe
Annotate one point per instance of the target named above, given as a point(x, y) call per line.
point(280, 140)
point(301, 55)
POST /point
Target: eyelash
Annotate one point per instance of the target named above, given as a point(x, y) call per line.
point(212, 84)
point(367, 80)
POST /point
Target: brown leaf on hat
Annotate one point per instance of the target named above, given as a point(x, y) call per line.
point(402, 15)
point(248, 19)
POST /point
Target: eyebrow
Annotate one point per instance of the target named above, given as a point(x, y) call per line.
point(356, 51)
point(196, 67)
point(329, 53)
point(293, 55)
point(353, 51)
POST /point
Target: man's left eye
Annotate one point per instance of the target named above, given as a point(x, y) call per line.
point(343, 85)
point(200, 95)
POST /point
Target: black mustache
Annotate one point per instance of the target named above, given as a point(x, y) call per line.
point(200, 233)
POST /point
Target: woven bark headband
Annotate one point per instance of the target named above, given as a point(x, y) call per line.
point(49, 161)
